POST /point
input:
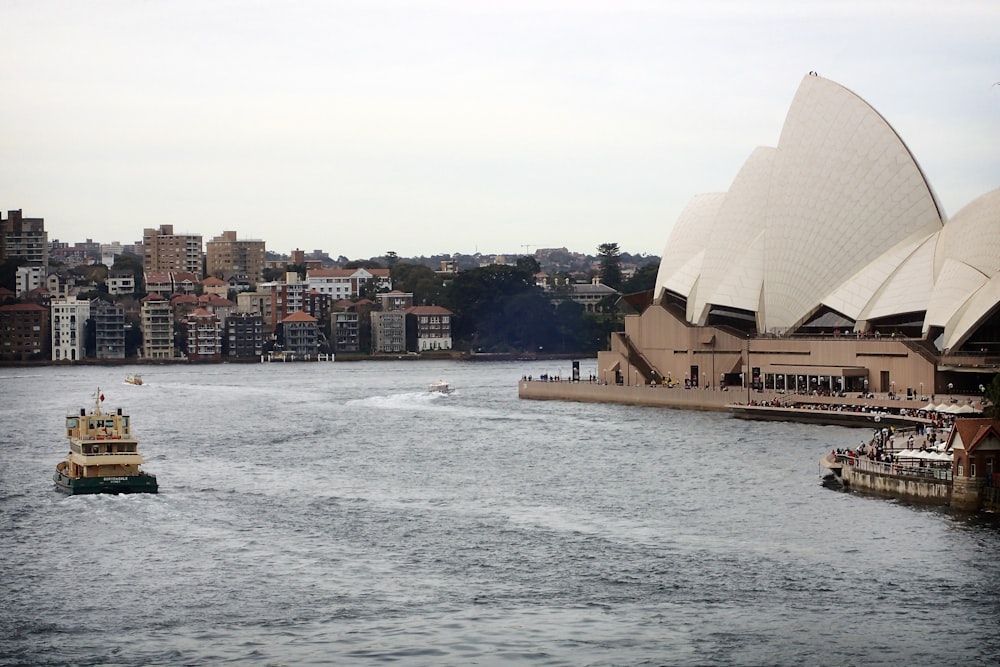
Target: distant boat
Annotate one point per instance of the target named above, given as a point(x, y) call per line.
point(440, 387)
point(103, 454)
point(134, 378)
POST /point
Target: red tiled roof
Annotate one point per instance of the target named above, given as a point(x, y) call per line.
point(427, 310)
point(23, 306)
point(299, 316)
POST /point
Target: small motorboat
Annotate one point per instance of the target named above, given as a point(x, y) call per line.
point(134, 378)
point(440, 386)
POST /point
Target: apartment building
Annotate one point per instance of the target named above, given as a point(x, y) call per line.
point(227, 255)
point(69, 321)
point(163, 250)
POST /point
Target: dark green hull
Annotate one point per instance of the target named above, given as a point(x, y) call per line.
point(141, 483)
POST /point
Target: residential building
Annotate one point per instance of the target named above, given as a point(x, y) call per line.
point(109, 329)
point(244, 336)
point(428, 328)
point(24, 237)
point(163, 250)
point(216, 286)
point(286, 297)
point(215, 304)
point(203, 336)
point(157, 317)
point(110, 252)
point(227, 255)
point(257, 303)
point(348, 283)
point(24, 332)
point(159, 282)
point(345, 331)
point(121, 282)
point(388, 331)
point(69, 325)
point(591, 295)
point(300, 332)
point(28, 278)
point(394, 300)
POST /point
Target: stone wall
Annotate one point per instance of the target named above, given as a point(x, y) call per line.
point(927, 491)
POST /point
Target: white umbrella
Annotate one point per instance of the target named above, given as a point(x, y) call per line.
point(966, 409)
point(930, 407)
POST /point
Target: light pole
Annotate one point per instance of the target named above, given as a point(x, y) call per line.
point(748, 375)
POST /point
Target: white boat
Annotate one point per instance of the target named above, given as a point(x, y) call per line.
point(135, 378)
point(440, 386)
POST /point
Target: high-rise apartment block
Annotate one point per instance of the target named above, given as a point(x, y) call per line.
point(24, 237)
point(162, 250)
point(226, 255)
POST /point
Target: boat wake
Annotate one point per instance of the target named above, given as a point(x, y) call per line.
point(406, 401)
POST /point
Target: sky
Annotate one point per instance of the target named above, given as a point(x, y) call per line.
point(457, 126)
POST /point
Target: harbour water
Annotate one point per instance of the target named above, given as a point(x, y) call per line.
point(340, 513)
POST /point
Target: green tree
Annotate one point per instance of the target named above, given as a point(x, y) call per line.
point(642, 280)
point(478, 299)
point(421, 281)
point(611, 267)
point(991, 394)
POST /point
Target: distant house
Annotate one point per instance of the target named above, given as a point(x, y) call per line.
point(109, 329)
point(216, 286)
point(203, 336)
point(348, 283)
point(301, 334)
point(121, 282)
point(591, 295)
point(388, 331)
point(428, 328)
point(24, 331)
point(244, 336)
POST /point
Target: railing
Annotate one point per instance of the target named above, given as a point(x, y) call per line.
point(928, 471)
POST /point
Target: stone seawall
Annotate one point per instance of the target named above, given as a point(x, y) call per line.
point(925, 491)
point(592, 392)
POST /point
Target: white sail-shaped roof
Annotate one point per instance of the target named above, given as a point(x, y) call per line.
point(838, 215)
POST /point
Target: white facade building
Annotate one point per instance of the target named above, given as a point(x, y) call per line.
point(69, 321)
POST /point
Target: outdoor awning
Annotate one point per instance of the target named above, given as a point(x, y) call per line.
point(835, 371)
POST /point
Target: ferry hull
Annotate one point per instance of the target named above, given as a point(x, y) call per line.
point(142, 483)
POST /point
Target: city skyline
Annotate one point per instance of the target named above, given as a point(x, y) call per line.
point(457, 127)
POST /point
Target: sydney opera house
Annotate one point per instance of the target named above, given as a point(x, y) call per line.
point(829, 265)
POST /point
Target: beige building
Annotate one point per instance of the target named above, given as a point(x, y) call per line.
point(226, 255)
point(162, 251)
point(157, 317)
point(828, 266)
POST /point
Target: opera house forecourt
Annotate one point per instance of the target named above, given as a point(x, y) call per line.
point(827, 268)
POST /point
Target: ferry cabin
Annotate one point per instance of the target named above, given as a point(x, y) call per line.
point(101, 445)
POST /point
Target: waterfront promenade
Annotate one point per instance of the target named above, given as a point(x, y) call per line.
point(758, 404)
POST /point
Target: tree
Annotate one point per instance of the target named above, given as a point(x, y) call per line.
point(991, 394)
point(611, 267)
point(642, 280)
point(479, 298)
point(422, 282)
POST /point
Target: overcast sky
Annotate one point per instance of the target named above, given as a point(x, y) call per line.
point(446, 126)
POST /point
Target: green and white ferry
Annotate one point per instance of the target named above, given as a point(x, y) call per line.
point(103, 454)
